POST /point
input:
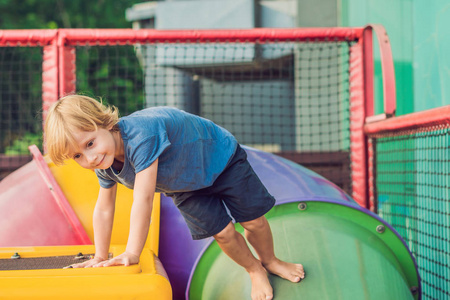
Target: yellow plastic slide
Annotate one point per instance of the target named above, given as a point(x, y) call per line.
point(36, 272)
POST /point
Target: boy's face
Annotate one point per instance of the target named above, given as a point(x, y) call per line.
point(96, 149)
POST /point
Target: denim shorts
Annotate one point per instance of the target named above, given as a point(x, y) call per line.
point(236, 194)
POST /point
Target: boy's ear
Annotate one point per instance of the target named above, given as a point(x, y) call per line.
point(114, 127)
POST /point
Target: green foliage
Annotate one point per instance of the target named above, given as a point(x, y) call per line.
point(51, 14)
point(20, 93)
point(113, 73)
point(20, 145)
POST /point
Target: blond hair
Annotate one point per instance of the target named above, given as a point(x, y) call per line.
point(72, 113)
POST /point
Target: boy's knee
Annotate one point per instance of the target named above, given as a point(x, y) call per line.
point(255, 224)
point(226, 234)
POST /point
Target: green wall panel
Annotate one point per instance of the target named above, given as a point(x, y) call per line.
point(420, 39)
point(396, 16)
point(431, 35)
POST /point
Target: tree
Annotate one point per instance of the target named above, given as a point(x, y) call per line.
point(52, 14)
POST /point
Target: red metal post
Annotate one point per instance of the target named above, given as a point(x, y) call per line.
point(67, 70)
point(357, 117)
point(368, 65)
point(67, 65)
point(387, 67)
point(49, 77)
point(371, 172)
point(389, 96)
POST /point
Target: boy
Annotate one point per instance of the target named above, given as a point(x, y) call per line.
point(190, 159)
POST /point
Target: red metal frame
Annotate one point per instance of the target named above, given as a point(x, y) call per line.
point(357, 115)
point(365, 189)
point(67, 70)
point(387, 66)
point(418, 121)
point(28, 37)
point(50, 71)
point(59, 67)
point(72, 37)
point(68, 38)
point(371, 169)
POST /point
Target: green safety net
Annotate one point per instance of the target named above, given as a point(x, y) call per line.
point(412, 186)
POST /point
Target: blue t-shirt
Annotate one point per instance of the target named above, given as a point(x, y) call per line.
point(192, 151)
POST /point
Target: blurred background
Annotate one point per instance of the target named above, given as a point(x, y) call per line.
point(418, 29)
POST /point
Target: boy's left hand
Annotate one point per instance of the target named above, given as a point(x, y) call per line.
point(124, 259)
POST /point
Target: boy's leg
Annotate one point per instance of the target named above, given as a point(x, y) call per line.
point(259, 235)
point(233, 244)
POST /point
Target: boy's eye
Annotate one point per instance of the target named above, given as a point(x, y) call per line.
point(76, 156)
point(90, 143)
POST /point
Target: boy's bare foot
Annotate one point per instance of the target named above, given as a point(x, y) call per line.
point(289, 271)
point(261, 288)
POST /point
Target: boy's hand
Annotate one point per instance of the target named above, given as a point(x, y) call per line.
point(124, 259)
point(87, 264)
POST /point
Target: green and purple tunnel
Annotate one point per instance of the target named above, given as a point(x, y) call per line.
point(347, 251)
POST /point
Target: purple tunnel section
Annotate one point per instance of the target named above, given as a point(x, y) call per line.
point(285, 180)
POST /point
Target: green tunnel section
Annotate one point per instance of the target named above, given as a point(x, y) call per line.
point(346, 253)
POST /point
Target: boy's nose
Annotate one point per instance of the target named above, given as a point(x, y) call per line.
point(91, 158)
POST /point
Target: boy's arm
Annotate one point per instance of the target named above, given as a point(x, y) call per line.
point(141, 211)
point(103, 223)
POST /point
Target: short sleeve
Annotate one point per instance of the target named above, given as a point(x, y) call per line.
point(104, 180)
point(146, 151)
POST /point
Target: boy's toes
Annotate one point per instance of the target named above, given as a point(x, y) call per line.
point(295, 278)
point(289, 271)
point(262, 296)
point(299, 274)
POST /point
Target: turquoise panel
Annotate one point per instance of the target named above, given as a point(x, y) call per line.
point(396, 16)
point(420, 39)
point(431, 36)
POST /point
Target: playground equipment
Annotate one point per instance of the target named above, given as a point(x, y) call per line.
point(347, 251)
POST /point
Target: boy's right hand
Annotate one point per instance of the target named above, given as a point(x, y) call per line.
point(87, 264)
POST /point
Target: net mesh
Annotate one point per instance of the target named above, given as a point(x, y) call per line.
point(289, 98)
point(20, 104)
point(412, 186)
